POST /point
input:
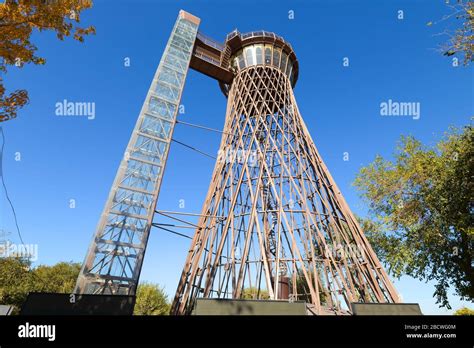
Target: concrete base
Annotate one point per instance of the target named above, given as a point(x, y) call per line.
point(65, 304)
point(386, 309)
point(205, 306)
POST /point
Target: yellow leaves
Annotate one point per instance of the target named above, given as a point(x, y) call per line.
point(9, 104)
point(464, 311)
point(18, 19)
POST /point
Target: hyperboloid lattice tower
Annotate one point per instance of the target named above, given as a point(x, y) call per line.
point(274, 224)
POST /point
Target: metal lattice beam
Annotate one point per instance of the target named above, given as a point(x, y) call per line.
point(114, 260)
point(285, 229)
point(273, 221)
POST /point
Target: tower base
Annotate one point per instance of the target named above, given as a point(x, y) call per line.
point(207, 306)
point(386, 309)
point(40, 303)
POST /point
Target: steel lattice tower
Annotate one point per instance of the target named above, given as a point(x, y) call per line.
point(274, 220)
point(115, 257)
point(274, 223)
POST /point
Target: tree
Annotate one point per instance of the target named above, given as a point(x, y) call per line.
point(253, 293)
point(17, 279)
point(421, 211)
point(464, 311)
point(18, 20)
point(151, 300)
point(461, 41)
point(58, 278)
point(302, 288)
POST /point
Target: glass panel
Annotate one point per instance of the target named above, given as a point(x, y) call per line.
point(155, 127)
point(268, 55)
point(164, 129)
point(176, 63)
point(178, 53)
point(289, 69)
point(249, 55)
point(284, 58)
point(182, 43)
point(134, 178)
point(141, 175)
point(161, 108)
point(183, 32)
point(149, 149)
point(259, 54)
point(276, 57)
point(131, 201)
point(167, 92)
point(170, 76)
point(125, 228)
point(241, 60)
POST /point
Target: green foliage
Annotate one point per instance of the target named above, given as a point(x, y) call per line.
point(253, 293)
point(151, 300)
point(421, 211)
point(302, 287)
point(461, 40)
point(58, 278)
point(464, 311)
point(17, 279)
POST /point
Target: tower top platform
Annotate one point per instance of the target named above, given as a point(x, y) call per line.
point(281, 49)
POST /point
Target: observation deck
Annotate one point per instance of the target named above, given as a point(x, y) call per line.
point(241, 50)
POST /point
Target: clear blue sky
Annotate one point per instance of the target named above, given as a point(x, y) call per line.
point(75, 158)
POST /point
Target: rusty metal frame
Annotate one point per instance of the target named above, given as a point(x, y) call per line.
point(308, 220)
point(273, 218)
